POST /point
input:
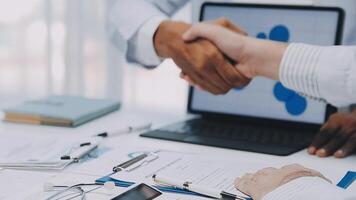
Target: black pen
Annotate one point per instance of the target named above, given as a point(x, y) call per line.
point(128, 163)
point(126, 130)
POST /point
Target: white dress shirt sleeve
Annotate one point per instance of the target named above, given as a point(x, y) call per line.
point(309, 188)
point(137, 21)
point(327, 73)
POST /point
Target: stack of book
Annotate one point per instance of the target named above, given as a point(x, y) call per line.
point(69, 111)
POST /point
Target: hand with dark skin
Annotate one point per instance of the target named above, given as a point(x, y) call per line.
point(337, 137)
point(200, 60)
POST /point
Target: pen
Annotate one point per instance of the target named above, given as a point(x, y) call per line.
point(127, 130)
point(123, 166)
point(85, 149)
point(347, 180)
point(206, 191)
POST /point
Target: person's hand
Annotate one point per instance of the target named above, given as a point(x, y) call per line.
point(266, 180)
point(200, 60)
point(254, 57)
point(337, 137)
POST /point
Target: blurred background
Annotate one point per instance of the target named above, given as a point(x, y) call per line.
point(62, 47)
point(53, 46)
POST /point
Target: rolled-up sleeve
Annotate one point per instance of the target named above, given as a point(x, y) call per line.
point(327, 73)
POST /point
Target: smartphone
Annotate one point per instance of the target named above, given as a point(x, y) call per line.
point(139, 192)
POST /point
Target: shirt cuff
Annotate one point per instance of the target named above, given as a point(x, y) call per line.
point(306, 188)
point(143, 50)
point(319, 72)
point(128, 16)
point(299, 67)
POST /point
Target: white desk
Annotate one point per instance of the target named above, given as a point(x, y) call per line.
point(21, 183)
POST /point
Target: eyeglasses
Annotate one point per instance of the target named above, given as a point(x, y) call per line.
point(77, 191)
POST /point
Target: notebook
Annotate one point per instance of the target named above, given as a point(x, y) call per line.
point(69, 111)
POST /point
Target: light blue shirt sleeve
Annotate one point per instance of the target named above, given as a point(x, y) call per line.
point(135, 23)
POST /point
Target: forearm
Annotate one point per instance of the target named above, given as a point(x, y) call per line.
point(327, 73)
point(268, 59)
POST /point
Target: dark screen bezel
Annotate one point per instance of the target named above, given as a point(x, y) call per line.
point(260, 120)
point(137, 188)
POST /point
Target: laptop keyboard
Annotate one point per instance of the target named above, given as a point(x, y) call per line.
point(250, 138)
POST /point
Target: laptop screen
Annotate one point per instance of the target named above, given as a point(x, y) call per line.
point(265, 98)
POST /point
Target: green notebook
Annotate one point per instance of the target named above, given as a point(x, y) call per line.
point(68, 111)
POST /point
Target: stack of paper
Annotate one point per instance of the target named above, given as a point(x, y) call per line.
point(43, 153)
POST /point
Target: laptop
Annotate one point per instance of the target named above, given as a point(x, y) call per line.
point(263, 117)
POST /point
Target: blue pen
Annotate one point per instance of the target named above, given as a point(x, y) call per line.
point(347, 180)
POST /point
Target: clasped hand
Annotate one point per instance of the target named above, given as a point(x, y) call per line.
point(217, 56)
point(201, 62)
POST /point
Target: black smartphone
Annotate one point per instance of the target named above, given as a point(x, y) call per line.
point(139, 192)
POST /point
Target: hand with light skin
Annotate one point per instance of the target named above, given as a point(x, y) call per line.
point(253, 57)
point(337, 137)
point(266, 180)
point(201, 60)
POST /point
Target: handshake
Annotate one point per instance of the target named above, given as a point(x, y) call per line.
point(217, 56)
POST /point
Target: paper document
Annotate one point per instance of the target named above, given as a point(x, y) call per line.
point(202, 170)
point(37, 153)
point(44, 148)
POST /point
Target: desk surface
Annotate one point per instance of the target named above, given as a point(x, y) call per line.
point(16, 184)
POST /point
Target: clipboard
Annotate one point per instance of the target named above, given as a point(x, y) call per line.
point(76, 153)
point(188, 165)
point(134, 165)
